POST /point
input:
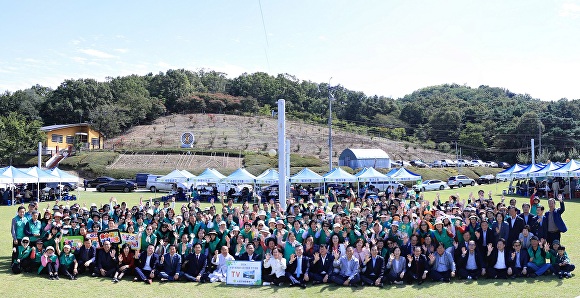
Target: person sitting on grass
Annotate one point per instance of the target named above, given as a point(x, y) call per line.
point(220, 260)
point(22, 257)
point(170, 265)
point(148, 261)
point(538, 254)
point(277, 263)
point(442, 264)
point(348, 268)
point(68, 263)
point(194, 268)
point(126, 262)
point(563, 266)
point(106, 261)
point(50, 263)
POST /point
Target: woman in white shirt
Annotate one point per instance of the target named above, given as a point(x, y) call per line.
point(220, 260)
point(278, 264)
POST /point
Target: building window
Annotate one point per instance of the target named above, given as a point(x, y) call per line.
point(95, 142)
point(56, 138)
point(70, 139)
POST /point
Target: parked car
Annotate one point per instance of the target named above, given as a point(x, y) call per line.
point(418, 164)
point(492, 164)
point(430, 185)
point(464, 163)
point(478, 163)
point(117, 185)
point(460, 181)
point(504, 165)
point(486, 179)
point(437, 164)
point(401, 163)
point(65, 186)
point(448, 163)
point(99, 180)
point(154, 186)
point(141, 179)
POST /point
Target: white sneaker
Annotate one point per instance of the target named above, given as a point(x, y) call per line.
point(469, 277)
point(266, 283)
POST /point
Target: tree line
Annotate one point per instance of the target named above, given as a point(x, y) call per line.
point(485, 122)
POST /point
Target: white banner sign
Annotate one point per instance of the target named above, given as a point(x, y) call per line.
point(246, 273)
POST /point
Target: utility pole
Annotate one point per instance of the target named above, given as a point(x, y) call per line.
point(330, 99)
point(540, 140)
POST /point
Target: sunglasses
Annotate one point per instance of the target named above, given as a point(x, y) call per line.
point(24, 241)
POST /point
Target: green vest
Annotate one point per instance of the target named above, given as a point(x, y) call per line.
point(66, 260)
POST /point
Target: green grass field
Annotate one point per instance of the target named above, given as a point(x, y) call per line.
point(28, 284)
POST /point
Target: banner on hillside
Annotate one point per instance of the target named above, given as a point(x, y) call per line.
point(246, 273)
point(74, 241)
point(132, 240)
point(112, 236)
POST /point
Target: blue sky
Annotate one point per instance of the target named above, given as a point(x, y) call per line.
point(388, 48)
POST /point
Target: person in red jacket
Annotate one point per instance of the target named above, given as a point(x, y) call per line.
point(126, 262)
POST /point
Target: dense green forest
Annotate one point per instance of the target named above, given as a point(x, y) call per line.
point(486, 122)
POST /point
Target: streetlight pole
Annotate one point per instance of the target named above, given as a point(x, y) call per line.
point(330, 98)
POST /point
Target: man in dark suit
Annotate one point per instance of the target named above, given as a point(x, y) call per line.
point(85, 257)
point(518, 260)
point(321, 268)
point(417, 266)
point(298, 268)
point(529, 219)
point(170, 265)
point(497, 260)
point(249, 255)
point(195, 265)
point(459, 246)
point(148, 261)
point(515, 223)
point(106, 263)
point(484, 236)
point(470, 264)
point(373, 269)
point(541, 228)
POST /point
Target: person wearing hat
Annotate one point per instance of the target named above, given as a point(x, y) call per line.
point(21, 255)
point(68, 263)
point(50, 262)
point(36, 254)
point(441, 235)
point(212, 241)
point(538, 254)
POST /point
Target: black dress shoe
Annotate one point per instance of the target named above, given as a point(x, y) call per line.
point(303, 286)
point(420, 282)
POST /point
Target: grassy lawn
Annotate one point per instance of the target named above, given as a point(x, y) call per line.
point(18, 285)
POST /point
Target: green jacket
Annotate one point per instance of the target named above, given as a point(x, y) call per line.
point(539, 256)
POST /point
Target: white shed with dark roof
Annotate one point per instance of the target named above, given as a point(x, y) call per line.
point(360, 158)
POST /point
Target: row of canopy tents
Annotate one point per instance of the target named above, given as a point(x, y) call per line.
point(552, 169)
point(271, 176)
point(12, 175)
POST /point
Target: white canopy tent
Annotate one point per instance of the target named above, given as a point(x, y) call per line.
point(339, 175)
point(210, 175)
point(270, 176)
point(306, 175)
point(240, 176)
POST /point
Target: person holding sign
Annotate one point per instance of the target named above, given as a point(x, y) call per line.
point(126, 262)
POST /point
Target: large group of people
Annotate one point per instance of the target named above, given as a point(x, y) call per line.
point(358, 241)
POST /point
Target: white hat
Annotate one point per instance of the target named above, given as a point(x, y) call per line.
point(222, 223)
point(262, 213)
point(50, 247)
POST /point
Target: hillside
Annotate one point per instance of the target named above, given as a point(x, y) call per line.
point(258, 134)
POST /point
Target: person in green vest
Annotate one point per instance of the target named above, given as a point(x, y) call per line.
point(68, 263)
point(441, 235)
point(147, 238)
point(538, 255)
point(37, 252)
point(17, 228)
point(53, 237)
point(212, 242)
point(33, 228)
point(21, 256)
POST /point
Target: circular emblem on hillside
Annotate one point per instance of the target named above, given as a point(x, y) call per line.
point(187, 140)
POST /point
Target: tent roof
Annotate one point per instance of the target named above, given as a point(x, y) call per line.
point(14, 175)
point(210, 175)
point(42, 175)
point(524, 173)
point(507, 173)
point(369, 153)
point(565, 170)
point(176, 176)
point(240, 176)
point(370, 174)
point(403, 174)
point(64, 176)
point(270, 176)
point(543, 172)
point(306, 175)
point(339, 175)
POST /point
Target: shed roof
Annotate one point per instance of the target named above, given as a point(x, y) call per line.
point(61, 126)
point(368, 153)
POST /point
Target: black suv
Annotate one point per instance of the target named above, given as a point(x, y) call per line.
point(99, 180)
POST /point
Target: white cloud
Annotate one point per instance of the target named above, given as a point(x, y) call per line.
point(123, 51)
point(97, 53)
point(570, 9)
point(79, 59)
